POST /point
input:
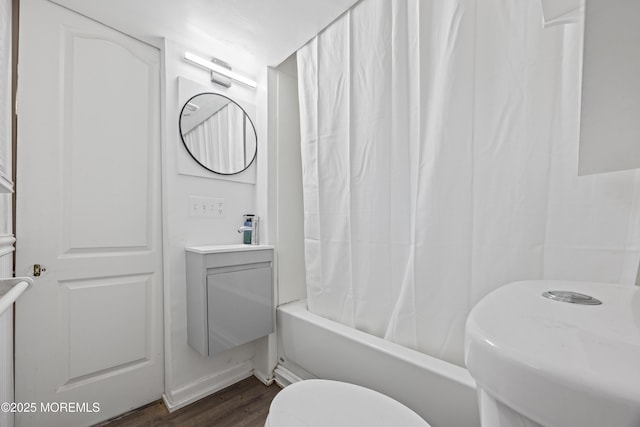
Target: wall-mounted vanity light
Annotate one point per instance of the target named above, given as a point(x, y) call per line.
point(218, 69)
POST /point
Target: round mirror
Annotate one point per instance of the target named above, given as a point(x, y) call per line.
point(218, 133)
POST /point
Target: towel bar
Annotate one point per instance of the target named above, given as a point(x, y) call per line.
point(11, 288)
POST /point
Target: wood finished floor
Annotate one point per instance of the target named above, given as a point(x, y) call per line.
point(244, 404)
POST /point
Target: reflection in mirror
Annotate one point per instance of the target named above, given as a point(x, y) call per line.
point(218, 133)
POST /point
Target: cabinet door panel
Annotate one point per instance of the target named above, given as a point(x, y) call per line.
point(240, 306)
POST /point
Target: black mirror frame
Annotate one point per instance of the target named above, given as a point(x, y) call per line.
point(255, 154)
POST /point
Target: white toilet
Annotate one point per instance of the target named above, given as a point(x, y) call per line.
point(324, 403)
point(556, 353)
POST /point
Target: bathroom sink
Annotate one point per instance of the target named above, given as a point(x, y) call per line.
point(558, 363)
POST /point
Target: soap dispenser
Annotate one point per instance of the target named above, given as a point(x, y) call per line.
point(250, 230)
point(247, 229)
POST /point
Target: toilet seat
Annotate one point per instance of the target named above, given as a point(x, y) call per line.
point(323, 403)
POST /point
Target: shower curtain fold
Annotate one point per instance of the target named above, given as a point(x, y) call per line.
point(433, 141)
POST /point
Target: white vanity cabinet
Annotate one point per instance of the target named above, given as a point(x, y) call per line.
point(229, 296)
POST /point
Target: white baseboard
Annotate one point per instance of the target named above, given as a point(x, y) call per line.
point(203, 387)
point(266, 379)
point(284, 377)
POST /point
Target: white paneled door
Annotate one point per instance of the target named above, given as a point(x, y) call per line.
point(89, 333)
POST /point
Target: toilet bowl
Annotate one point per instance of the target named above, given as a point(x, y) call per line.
point(322, 403)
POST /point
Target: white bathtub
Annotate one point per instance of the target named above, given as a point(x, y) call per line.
point(310, 346)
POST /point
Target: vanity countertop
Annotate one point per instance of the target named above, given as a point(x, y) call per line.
point(213, 249)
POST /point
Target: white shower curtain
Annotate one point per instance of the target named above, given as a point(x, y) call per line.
point(439, 143)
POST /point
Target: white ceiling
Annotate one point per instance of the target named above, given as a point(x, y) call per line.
point(269, 30)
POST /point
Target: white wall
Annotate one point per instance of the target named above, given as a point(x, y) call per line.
point(189, 375)
point(609, 127)
point(285, 181)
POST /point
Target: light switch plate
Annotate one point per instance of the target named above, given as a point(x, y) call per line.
point(206, 207)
